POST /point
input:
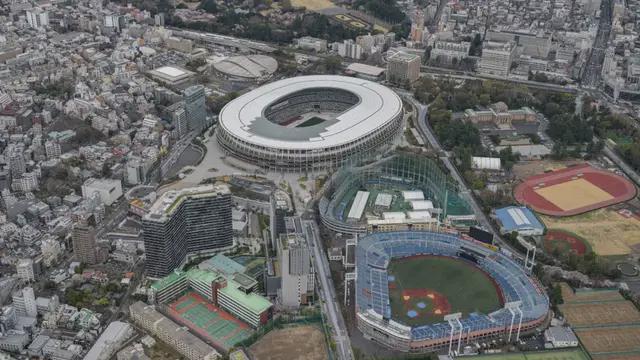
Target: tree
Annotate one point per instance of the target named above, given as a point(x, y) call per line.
point(209, 6)
point(508, 157)
point(555, 295)
point(475, 49)
point(332, 64)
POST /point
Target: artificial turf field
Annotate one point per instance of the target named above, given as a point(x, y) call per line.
point(576, 354)
point(422, 289)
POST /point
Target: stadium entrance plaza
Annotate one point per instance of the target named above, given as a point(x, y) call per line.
point(216, 163)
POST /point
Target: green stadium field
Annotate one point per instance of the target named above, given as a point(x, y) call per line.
point(210, 322)
point(576, 354)
point(422, 289)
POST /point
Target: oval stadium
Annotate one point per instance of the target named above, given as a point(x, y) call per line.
point(468, 292)
point(310, 123)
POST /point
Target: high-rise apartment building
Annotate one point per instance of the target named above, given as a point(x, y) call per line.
point(179, 117)
point(16, 163)
point(403, 68)
point(37, 18)
point(188, 222)
point(195, 107)
point(83, 237)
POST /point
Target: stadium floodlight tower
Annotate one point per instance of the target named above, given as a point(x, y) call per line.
point(453, 320)
point(513, 307)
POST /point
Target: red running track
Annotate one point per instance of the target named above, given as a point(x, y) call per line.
point(617, 186)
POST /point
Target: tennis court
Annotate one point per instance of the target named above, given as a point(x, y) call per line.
point(210, 322)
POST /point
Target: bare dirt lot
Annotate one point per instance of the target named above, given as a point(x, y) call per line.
point(608, 232)
point(313, 5)
point(525, 169)
point(295, 343)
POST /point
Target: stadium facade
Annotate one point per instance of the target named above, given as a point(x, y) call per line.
point(526, 303)
point(404, 171)
point(189, 222)
point(310, 123)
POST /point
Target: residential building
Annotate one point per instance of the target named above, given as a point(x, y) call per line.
point(24, 268)
point(37, 18)
point(179, 118)
point(174, 335)
point(403, 69)
point(349, 49)
point(24, 301)
point(447, 51)
point(52, 149)
point(83, 237)
point(188, 222)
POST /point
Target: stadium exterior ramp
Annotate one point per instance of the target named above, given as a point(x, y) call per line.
point(373, 312)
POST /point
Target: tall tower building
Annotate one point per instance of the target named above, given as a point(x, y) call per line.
point(194, 106)
point(188, 222)
point(417, 26)
point(83, 236)
point(295, 264)
point(180, 121)
point(37, 18)
point(17, 163)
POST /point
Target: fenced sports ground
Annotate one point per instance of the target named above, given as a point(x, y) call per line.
point(573, 190)
point(211, 323)
point(422, 289)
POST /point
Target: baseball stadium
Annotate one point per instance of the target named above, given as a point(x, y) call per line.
point(573, 190)
point(310, 123)
point(357, 197)
point(468, 292)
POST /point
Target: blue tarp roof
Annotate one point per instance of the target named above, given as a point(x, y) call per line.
point(514, 218)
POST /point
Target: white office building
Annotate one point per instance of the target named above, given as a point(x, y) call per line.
point(109, 190)
point(496, 58)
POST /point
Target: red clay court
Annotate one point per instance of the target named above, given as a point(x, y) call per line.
point(564, 241)
point(573, 190)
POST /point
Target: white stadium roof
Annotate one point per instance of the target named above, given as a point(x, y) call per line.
point(486, 163)
point(251, 66)
point(377, 106)
point(170, 71)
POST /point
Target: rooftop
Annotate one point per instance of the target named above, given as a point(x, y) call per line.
point(243, 117)
point(170, 200)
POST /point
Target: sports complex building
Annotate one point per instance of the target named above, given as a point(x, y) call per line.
point(309, 123)
point(442, 319)
point(382, 196)
point(219, 305)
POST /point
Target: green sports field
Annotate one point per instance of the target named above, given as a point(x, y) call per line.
point(576, 354)
point(422, 289)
